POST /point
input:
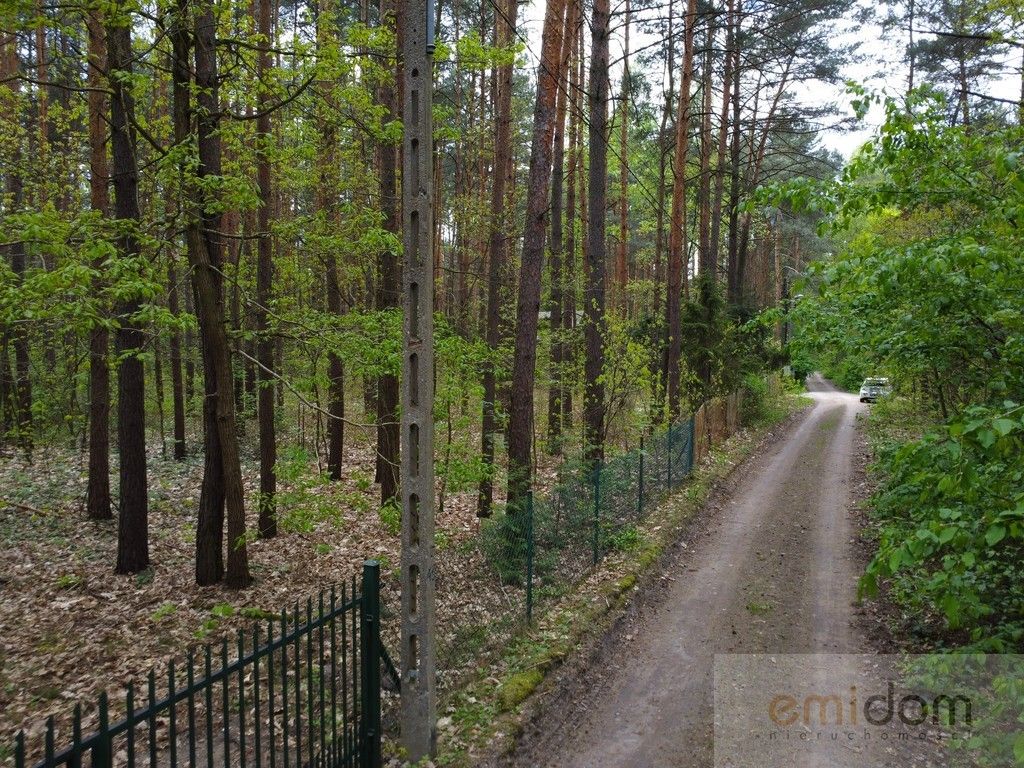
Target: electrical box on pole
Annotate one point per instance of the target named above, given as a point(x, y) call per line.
point(419, 707)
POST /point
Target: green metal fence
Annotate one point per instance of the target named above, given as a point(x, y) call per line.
point(550, 545)
point(303, 690)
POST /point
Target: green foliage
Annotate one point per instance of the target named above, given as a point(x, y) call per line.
point(928, 288)
point(163, 611)
point(302, 499)
point(391, 517)
point(626, 539)
point(928, 285)
point(952, 514)
point(69, 581)
point(722, 348)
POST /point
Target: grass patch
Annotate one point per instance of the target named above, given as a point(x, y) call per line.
point(758, 608)
point(69, 581)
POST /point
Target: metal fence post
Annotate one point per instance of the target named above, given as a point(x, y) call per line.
point(369, 640)
point(529, 557)
point(689, 452)
point(597, 512)
point(640, 480)
point(668, 456)
point(102, 754)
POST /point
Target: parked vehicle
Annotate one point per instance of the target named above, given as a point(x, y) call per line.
point(874, 388)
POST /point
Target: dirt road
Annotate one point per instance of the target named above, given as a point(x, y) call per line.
point(775, 571)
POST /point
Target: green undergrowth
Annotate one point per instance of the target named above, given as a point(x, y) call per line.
point(486, 715)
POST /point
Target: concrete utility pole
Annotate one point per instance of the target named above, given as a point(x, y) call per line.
point(419, 715)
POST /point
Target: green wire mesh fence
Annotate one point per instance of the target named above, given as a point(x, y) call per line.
point(541, 551)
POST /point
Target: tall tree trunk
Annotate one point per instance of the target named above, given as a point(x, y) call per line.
point(706, 255)
point(678, 250)
point(264, 285)
point(756, 162)
point(597, 189)
point(622, 254)
point(328, 205)
point(177, 390)
point(723, 140)
point(387, 281)
point(97, 496)
point(734, 287)
point(498, 248)
point(659, 334)
point(209, 566)
point(557, 242)
point(524, 361)
point(133, 525)
point(911, 51)
point(206, 254)
point(22, 385)
point(569, 260)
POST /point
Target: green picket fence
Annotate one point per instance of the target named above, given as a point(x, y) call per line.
point(303, 690)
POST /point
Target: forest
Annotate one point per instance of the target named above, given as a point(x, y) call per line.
point(254, 150)
point(639, 209)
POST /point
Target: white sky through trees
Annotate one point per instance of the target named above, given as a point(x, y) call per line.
point(878, 64)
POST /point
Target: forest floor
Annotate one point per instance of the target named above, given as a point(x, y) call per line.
point(771, 568)
point(70, 628)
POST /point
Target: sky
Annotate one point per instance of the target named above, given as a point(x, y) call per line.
point(878, 66)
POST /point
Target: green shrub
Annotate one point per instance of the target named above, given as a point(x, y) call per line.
point(951, 514)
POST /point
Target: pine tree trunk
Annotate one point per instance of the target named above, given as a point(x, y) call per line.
point(524, 361)
point(97, 496)
point(557, 243)
point(209, 566)
point(264, 286)
point(723, 140)
point(594, 295)
point(498, 248)
point(569, 259)
point(734, 273)
point(678, 246)
point(706, 262)
point(622, 255)
point(387, 283)
point(133, 525)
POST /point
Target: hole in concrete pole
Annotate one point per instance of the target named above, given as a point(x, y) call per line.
point(414, 589)
point(414, 381)
point(415, 161)
point(414, 519)
point(414, 449)
point(414, 225)
point(414, 652)
point(414, 310)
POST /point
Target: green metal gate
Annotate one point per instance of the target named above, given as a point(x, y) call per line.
point(303, 690)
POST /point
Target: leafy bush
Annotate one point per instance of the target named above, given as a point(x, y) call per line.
point(951, 510)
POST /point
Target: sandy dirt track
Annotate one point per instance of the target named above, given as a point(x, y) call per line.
point(773, 571)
